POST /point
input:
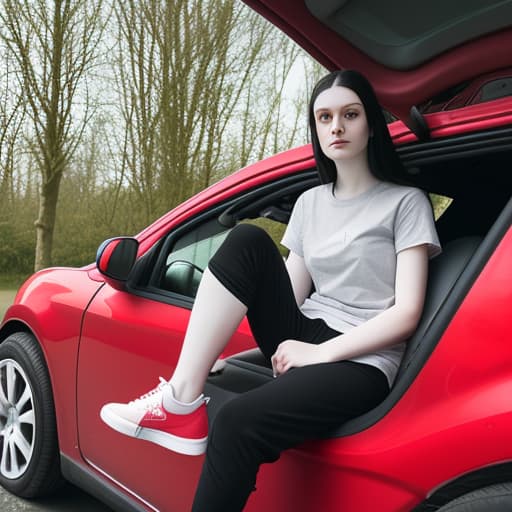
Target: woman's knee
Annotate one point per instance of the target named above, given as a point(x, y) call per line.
point(247, 235)
point(247, 251)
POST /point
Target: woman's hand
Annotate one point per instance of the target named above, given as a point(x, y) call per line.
point(293, 354)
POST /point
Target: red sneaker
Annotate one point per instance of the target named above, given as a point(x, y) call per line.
point(184, 431)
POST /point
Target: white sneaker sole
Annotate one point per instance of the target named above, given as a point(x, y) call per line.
point(169, 441)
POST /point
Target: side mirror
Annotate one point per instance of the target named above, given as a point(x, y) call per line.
point(115, 259)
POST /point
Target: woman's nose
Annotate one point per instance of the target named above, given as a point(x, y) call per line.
point(337, 126)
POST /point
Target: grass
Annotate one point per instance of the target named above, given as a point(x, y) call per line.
point(9, 284)
point(11, 281)
point(6, 298)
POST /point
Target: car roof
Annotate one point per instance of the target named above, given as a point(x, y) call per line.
point(411, 51)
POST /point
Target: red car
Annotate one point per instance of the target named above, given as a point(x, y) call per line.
point(76, 338)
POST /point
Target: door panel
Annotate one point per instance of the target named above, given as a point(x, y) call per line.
point(127, 342)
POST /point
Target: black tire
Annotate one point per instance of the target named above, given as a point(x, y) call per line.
point(29, 453)
point(495, 498)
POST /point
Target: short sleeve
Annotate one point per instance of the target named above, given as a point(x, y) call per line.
point(294, 233)
point(415, 225)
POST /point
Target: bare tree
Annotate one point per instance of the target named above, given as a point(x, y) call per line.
point(185, 71)
point(191, 90)
point(53, 43)
point(12, 112)
point(271, 123)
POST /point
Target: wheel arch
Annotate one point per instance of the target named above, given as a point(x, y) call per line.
point(13, 326)
point(16, 326)
point(477, 479)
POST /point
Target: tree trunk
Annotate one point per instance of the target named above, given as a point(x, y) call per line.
point(45, 224)
point(53, 43)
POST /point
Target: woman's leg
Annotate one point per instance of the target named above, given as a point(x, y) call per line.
point(215, 316)
point(251, 268)
point(254, 428)
point(246, 275)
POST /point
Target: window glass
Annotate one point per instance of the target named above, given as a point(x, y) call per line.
point(189, 256)
point(198, 253)
point(440, 204)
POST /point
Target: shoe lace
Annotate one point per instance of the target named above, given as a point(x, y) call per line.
point(152, 394)
point(152, 400)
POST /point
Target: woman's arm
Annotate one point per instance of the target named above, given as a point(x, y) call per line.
point(299, 276)
point(390, 327)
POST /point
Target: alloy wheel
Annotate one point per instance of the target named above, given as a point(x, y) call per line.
point(17, 420)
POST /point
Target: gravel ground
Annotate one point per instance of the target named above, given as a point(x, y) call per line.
point(68, 499)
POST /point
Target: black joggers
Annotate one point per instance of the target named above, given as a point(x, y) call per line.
point(304, 403)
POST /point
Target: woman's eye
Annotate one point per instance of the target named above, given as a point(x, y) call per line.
point(351, 115)
point(324, 116)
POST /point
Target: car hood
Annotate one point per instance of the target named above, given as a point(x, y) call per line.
point(411, 51)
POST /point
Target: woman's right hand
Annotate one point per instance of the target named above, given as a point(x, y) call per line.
point(294, 354)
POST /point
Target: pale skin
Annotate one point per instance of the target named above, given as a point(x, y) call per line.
point(343, 134)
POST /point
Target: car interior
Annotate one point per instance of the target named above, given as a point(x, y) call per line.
point(408, 34)
point(473, 170)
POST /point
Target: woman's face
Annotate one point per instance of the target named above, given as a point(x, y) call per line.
point(341, 124)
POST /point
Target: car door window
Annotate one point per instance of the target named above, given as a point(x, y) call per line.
point(186, 261)
point(186, 252)
point(187, 257)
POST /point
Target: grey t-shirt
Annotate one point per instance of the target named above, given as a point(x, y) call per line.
point(349, 248)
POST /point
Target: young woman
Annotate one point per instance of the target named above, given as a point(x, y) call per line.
point(361, 242)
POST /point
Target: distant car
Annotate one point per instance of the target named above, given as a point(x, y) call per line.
point(76, 338)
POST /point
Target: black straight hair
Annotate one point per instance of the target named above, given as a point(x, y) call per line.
point(383, 160)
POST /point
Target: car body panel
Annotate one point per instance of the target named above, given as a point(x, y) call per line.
point(127, 342)
point(51, 305)
point(403, 35)
point(466, 120)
